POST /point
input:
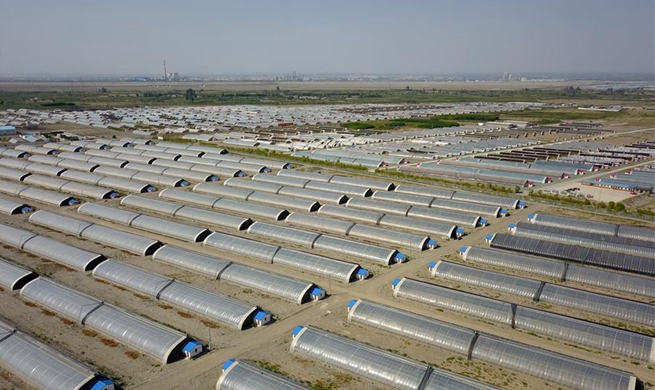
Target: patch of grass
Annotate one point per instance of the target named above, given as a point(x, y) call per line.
point(184, 314)
point(89, 332)
point(132, 354)
point(210, 324)
point(165, 306)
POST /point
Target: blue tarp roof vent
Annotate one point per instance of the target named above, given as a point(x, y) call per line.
point(432, 243)
point(521, 203)
point(459, 231)
point(503, 211)
point(432, 264)
point(352, 303)
point(260, 315)
point(297, 330)
point(190, 345)
point(395, 282)
point(317, 291)
point(483, 221)
point(362, 271)
point(227, 364)
point(102, 383)
point(490, 236)
point(399, 257)
point(530, 216)
point(463, 249)
point(511, 225)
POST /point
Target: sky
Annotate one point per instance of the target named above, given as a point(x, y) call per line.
point(211, 37)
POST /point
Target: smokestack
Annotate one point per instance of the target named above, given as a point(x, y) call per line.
point(165, 73)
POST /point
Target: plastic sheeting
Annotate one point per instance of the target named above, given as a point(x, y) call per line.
point(9, 207)
point(591, 256)
point(332, 268)
point(515, 261)
point(320, 223)
point(550, 366)
point(41, 365)
point(423, 329)
point(612, 280)
point(372, 253)
point(242, 246)
point(241, 375)
point(284, 234)
point(602, 337)
point(60, 299)
point(491, 280)
point(36, 194)
point(13, 277)
point(270, 283)
point(132, 277)
point(190, 260)
point(376, 234)
point(470, 304)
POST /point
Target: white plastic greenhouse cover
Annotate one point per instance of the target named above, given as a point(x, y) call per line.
point(283, 201)
point(418, 200)
point(320, 196)
point(193, 261)
point(270, 283)
point(305, 175)
point(320, 223)
point(108, 213)
point(332, 268)
point(144, 335)
point(36, 194)
point(221, 308)
point(280, 180)
point(14, 277)
point(581, 332)
point(515, 261)
point(349, 213)
point(376, 234)
point(369, 362)
point(13, 174)
point(39, 364)
point(188, 197)
point(14, 237)
point(132, 277)
point(372, 253)
point(365, 183)
point(170, 229)
point(458, 301)
point(241, 375)
point(345, 189)
point(61, 299)
point(9, 207)
point(77, 165)
point(221, 190)
point(378, 206)
point(242, 246)
point(283, 234)
point(62, 253)
point(404, 323)
point(419, 225)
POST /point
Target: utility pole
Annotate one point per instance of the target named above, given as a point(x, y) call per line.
point(165, 73)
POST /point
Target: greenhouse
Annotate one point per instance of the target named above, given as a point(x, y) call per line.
point(378, 206)
point(392, 196)
point(4, 152)
point(284, 234)
point(636, 233)
point(9, 207)
point(507, 203)
point(69, 186)
point(280, 180)
point(602, 337)
point(267, 282)
point(43, 366)
point(241, 375)
point(105, 162)
point(242, 246)
point(404, 323)
point(587, 235)
point(574, 224)
point(505, 353)
point(132, 277)
point(192, 261)
point(619, 308)
point(510, 284)
point(591, 256)
point(13, 277)
point(458, 301)
point(371, 217)
point(320, 223)
point(371, 253)
point(428, 227)
point(551, 366)
point(524, 230)
point(60, 299)
point(321, 265)
point(515, 261)
point(158, 341)
point(381, 366)
point(349, 190)
point(78, 165)
point(407, 240)
point(360, 182)
point(320, 196)
point(424, 191)
point(611, 280)
point(315, 176)
point(150, 204)
point(108, 213)
point(112, 237)
point(222, 190)
point(188, 197)
point(283, 201)
point(221, 308)
point(39, 158)
point(13, 174)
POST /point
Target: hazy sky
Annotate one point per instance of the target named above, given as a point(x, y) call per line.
point(120, 37)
